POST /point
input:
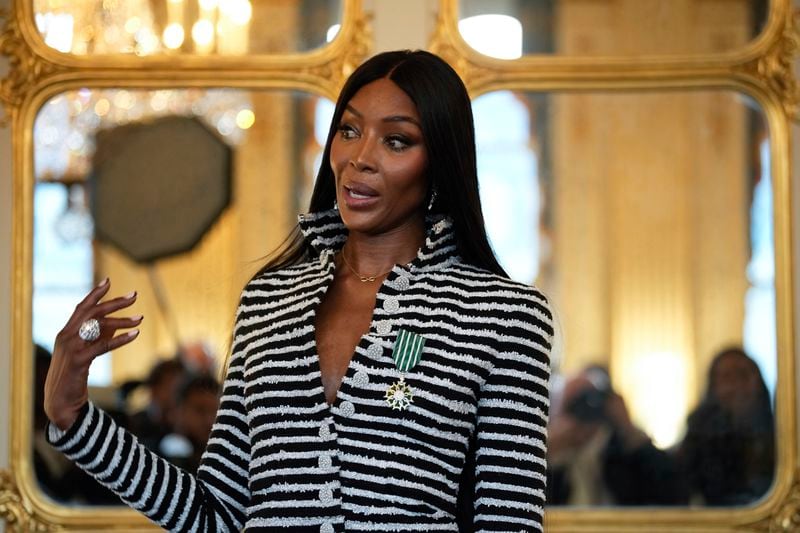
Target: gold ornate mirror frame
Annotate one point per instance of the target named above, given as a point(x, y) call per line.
point(762, 69)
point(37, 73)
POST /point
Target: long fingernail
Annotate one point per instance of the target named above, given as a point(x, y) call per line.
point(133, 333)
point(130, 295)
point(137, 318)
point(102, 283)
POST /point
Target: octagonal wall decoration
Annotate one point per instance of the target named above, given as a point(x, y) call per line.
point(158, 187)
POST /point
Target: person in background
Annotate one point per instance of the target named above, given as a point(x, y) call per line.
point(597, 456)
point(198, 358)
point(197, 404)
point(728, 453)
point(158, 419)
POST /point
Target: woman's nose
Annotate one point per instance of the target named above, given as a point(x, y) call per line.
point(363, 157)
point(360, 165)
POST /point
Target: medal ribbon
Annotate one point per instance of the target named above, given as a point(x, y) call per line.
point(407, 350)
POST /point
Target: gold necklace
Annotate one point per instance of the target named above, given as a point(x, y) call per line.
point(363, 279)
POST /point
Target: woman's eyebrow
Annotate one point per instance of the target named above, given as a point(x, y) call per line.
point(402, 118)
point(392, 118)
point(353, 110)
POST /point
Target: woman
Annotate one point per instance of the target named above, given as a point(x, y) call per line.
point(728, 453)
point(385, 375)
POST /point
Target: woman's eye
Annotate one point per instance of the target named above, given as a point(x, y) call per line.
point(396, 143)
point(347, 131)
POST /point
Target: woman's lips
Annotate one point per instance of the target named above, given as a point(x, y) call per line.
point(358, 195)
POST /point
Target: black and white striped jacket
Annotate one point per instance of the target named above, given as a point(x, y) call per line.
point(281, 459)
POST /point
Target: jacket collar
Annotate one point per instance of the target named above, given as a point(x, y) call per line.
point(326, 233)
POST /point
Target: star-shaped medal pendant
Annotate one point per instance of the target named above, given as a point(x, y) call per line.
point(399, 395)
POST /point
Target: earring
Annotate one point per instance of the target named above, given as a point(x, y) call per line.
point(434, 195)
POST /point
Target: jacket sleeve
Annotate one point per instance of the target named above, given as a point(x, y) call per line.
point(510, 468)
point(215, 499)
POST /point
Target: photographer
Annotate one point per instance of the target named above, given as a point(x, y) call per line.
point(596, 456)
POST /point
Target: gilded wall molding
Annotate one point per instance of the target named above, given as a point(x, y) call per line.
point(785, 517)
point(358, 49)
point(764, 70)
point(444, 43)
point(775, 69)
point(766, 67)
point(30, 62)
point(35, 73)
point(339, 67)
point(18, 513)
point(765, 64)
point(25, 67)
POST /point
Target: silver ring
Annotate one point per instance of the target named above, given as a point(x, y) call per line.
point(90, 330)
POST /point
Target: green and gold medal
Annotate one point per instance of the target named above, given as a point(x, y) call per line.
point(406, 354)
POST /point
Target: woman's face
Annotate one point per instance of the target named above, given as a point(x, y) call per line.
point(378, 157)
point(735, 384)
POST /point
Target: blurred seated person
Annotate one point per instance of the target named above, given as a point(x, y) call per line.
point(157, 419)
point(196, 409)
point(197, 358)
point(728, 453)
point(596, 456)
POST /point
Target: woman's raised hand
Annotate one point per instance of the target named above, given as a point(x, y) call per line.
point(66, 389)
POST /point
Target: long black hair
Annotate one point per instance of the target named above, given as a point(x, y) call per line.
point(763, 403)
point(730, 462)
point(449, 134)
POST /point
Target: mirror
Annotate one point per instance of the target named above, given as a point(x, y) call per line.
point(509, 29)
point(647, 218)
point(199, 27)
point(95, 150)
point(642, 211)
point(574, 187)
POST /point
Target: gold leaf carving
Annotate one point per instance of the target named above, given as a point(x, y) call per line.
point(358, 50)
point(342, 65)
point(25, 68)
point(775, 68)
point(785, 517)
point(17, 513)
point(443, 44)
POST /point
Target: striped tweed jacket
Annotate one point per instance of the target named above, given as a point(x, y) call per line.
point(281, 459)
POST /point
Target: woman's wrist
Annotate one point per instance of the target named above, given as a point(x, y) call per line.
point(65, 420)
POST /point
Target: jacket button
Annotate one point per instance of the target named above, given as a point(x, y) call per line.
point(326, 495)
point(325, 461)
point(383, 327)
point(402, 283)
point(375, 350)
point(325, 431)
point(361, 378)
point(391, 305)
point(327, 527)
point(347, 409)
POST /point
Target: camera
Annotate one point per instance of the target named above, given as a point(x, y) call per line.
point(589, 405)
